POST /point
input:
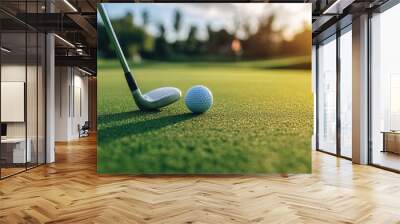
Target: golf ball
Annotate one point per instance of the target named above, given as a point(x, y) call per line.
point(199, 99)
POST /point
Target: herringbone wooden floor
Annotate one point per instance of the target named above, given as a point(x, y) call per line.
point(70, 191)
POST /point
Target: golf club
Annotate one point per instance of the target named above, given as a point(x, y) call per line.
point(152, 100)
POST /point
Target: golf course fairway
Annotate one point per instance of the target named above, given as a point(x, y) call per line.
point(261, 120)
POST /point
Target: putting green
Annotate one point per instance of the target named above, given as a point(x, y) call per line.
point(261, 120)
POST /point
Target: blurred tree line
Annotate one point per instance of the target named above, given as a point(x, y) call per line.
point(265, 42)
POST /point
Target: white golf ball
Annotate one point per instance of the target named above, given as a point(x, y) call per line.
point(199, 99)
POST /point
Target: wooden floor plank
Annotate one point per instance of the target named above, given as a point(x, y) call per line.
point(70, 191)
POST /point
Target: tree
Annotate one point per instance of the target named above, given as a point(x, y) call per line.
point(127, 19)
point(105, 50)
point(133, 39)
point(266, 42)
point(300, 44)
point(177, 21)
point(145, 18)
point(162, 48)
point(192, 44)
point(219, 42)
point(161, 30)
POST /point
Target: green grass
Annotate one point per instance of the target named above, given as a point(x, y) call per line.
point(261, 120)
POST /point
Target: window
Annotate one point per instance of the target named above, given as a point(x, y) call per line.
point(346, 92)
point(327, 95)
point(385, 89)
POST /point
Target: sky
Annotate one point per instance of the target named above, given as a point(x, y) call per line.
point(290, 16)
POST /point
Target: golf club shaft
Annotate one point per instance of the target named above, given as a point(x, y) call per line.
point(113, 38)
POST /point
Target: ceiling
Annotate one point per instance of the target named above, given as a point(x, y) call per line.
point(75, 21)
point(330, 15)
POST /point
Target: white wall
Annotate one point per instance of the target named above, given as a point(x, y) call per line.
point(79, 117)
point(33, 126)
point(62, 82)
point(13, 101)
point(12, 73)
point(70, 83)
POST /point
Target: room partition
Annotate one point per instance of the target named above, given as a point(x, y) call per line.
point(23, 87)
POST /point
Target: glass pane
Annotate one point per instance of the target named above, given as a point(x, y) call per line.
point(386, 89)
point(23, 88)
point(32, 90)
point(31, 98)
point(346, 94)
point(327, 96)
point(13, 86)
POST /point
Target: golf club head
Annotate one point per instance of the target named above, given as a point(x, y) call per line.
point(157, 98)
point(152, 100)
